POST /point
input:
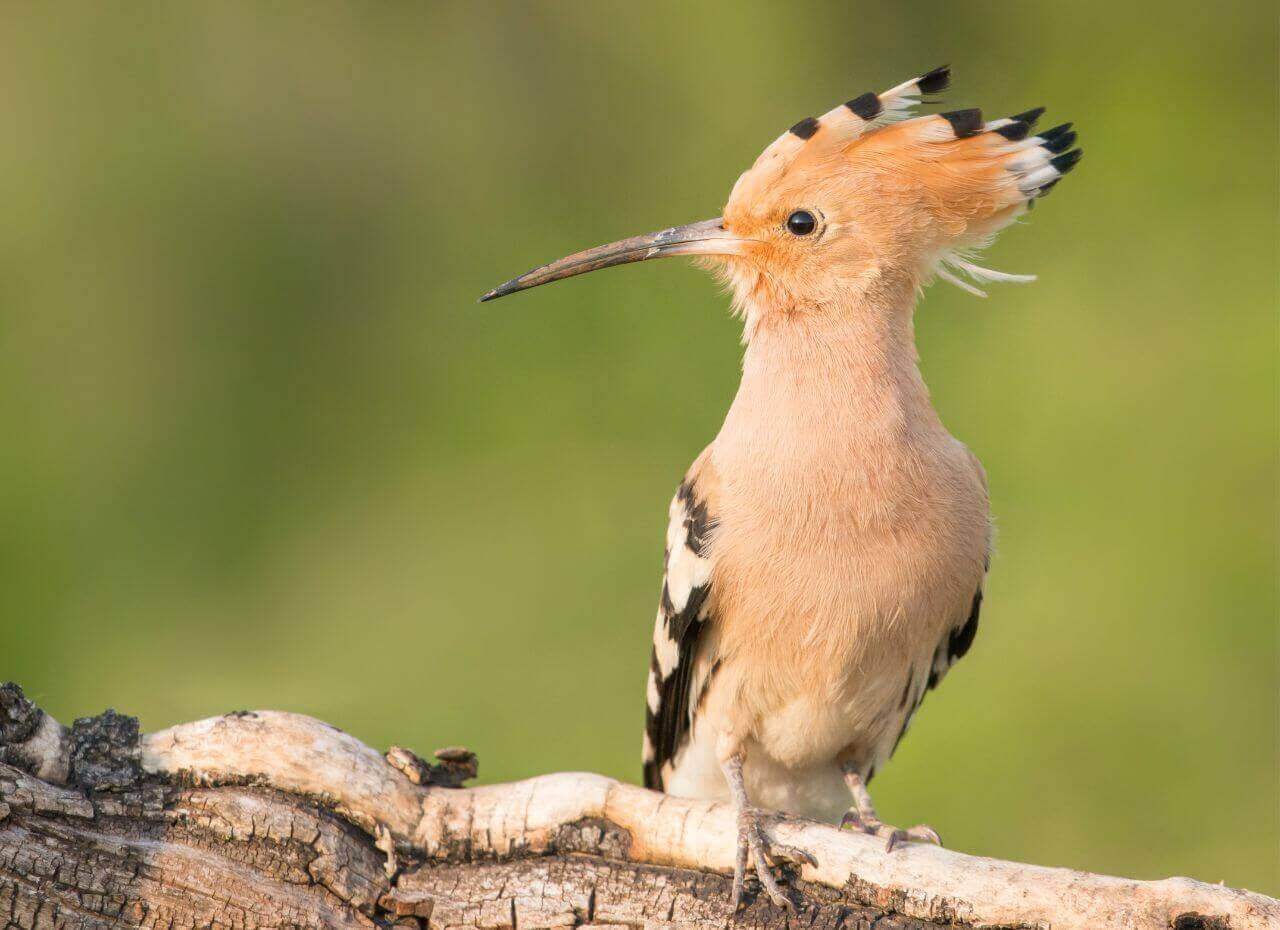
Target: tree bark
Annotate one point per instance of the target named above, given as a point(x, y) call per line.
point(271, 819)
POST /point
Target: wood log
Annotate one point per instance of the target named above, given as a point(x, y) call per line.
point(270, 819)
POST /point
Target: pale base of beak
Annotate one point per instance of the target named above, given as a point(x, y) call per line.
point(707, 238)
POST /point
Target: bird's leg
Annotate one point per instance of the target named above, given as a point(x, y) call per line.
point(752, 843)
point(862, 816)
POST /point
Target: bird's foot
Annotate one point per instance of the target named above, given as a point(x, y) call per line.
point(862, 816)
point(753, 846)
point(893, 836)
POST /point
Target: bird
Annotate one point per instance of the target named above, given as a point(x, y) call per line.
point(826, 554)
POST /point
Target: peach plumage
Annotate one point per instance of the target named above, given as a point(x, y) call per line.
point(826, 553)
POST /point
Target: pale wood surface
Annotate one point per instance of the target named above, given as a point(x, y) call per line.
point(271, 819)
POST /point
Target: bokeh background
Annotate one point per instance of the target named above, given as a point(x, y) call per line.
point(262, 449)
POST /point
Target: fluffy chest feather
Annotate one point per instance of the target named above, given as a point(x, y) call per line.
point(828, 593)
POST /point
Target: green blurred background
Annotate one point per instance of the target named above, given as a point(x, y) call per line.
point(262, 449)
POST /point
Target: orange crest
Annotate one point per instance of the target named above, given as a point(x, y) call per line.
point(864, 192)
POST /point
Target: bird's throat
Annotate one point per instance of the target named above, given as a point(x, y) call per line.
point(831, 384)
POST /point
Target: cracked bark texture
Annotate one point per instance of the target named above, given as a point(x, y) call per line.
point(250, 856)
point(274, 820)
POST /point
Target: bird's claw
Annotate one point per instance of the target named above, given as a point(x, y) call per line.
point(780, 852)
point(753, 846)
point(893, 836)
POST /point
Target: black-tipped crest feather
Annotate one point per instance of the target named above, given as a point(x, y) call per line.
point(964, 123)
point(806, 128)
point(866, 107)
point(935, 81)
point(1015, 131)
point(1030, 117)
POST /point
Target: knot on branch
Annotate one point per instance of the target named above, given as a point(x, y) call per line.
point(104, 752)
point(1192, 921)
point(457, 765)
point(30, 739)
point(19, 718)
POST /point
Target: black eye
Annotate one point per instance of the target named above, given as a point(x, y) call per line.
point(801, 223)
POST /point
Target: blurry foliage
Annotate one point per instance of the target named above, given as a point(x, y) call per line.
point(263, 449)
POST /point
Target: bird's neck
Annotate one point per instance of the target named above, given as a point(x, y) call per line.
point(832, 386)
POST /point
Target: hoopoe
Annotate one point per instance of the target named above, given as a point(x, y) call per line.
point(826, 554)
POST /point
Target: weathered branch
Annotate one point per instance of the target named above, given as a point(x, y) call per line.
point(271, 819)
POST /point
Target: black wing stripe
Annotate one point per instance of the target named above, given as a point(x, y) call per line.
point(951, 649)
point(960, 640)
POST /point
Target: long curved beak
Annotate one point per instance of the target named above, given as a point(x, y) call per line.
point(708, 237)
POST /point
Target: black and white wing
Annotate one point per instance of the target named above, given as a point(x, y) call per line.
point(677, 632)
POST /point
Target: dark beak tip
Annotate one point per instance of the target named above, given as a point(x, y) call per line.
point(501, 291)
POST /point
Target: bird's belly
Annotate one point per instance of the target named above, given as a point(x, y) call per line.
point(855, 715)
point(817, 791)
point(811, 728)
point(814, 788)
point(798, 735)
point(830, 663)
point(794, 755)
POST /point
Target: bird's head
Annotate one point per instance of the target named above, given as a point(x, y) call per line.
point(856, 199)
